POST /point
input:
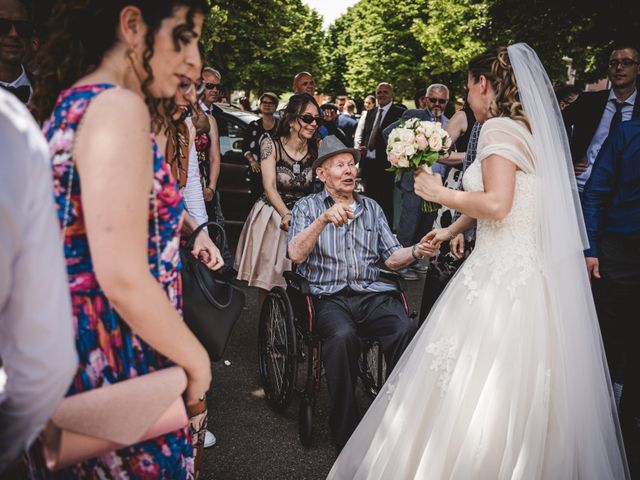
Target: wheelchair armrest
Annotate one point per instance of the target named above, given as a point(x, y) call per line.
point(395, 279)
point(297, 282)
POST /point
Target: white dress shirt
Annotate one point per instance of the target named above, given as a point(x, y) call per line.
point(37, 344)
point(603, 132)
point(382, 112)
point(22, 80)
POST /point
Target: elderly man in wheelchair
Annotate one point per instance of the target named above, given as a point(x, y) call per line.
point(337, 238)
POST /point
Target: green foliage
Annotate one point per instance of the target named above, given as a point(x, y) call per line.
point(260, 45)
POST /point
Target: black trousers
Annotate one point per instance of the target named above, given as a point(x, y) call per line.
point(379, 186)
point(616, 296)
point(341, 320)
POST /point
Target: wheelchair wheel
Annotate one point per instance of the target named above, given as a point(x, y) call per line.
point(277, 349)
point(305, 421)
point(373, 370)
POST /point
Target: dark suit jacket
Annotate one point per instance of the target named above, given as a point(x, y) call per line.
point(582, 117)
point(381, 163)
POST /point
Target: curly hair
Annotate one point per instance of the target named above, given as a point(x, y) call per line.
point(496, 67)
point(297, 104)
point(81, 32)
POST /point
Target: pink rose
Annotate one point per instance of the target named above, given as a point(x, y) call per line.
point(393, 159)
point(422, 142)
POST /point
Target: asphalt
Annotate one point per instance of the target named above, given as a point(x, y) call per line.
point(253, 441)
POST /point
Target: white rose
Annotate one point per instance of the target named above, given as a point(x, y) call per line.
point(403, 162)
point(398, 149)
point(410, 150)
point(407, 137)
point(447, 141)
point(435, 143)
point(428, 128)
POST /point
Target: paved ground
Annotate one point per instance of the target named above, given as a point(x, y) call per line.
point(254, 442)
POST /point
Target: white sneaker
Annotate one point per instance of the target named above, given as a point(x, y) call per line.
point(209, 439)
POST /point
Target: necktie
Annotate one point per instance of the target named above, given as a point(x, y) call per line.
point(23, 92)
point(371, 144)
point(617, 117)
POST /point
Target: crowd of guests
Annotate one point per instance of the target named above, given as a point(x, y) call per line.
point(123, 89)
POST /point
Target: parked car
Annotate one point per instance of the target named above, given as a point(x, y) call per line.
point(238, 192)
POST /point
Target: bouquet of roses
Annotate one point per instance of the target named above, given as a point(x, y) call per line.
point(417, 144)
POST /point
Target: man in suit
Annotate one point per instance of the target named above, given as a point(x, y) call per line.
point(611, 207)
point(17, 38)
point(379, 183)
point(589, 119)
point(414, 223)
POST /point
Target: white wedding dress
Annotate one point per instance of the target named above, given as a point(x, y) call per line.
point(497, 384)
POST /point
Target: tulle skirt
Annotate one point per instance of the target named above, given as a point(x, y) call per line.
point(497, 384)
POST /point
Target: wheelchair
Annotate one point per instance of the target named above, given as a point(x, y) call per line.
point(287, 340)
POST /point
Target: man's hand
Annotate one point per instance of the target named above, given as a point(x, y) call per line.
point(581, 167)
point(593, 267)
point(206, 251)
point(363, 150)
point(338, 215)
point(426, 249)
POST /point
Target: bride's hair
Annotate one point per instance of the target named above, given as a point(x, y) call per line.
point(496, 68)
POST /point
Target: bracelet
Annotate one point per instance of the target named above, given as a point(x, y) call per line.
point(413, 253)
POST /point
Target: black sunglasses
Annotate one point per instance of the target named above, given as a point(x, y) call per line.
point(441, 101)
point(213, 86)
point(309, 119)
point(23, 27)
point(626, 63)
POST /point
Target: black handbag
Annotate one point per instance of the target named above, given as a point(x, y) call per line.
point(212, 303)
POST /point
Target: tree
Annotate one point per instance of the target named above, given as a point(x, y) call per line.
point(260, 45)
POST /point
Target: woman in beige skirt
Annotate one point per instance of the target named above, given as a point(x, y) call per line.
point(286, 159)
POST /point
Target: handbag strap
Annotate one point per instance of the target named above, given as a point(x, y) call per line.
point(217, 226)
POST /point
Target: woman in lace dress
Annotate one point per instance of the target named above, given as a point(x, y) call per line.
point(507, 377)
point(286, 159)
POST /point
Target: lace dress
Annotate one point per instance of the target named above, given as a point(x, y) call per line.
point(261, 255)
point(108, 351)
point(482, 391)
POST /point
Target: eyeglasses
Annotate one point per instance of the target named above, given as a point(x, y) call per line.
point(309, 119)
point(213, 86)
point(626, 63)
point(441, 101)
point(23, 27)
point(267, 103)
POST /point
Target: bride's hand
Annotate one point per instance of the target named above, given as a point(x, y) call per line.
point(456, 245)
point(437, 236)
point(428, 185)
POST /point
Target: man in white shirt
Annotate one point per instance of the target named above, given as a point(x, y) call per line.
point(16, 36)
point(37, 347)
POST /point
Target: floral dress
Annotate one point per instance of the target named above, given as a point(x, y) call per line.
point(108, 351)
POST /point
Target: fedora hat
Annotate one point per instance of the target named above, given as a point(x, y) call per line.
point(330, 147)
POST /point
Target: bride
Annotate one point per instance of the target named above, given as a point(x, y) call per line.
point(507, 378)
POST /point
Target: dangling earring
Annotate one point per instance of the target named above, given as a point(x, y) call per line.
point(132, 57)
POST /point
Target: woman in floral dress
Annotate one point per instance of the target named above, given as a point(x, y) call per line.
point(119, 207)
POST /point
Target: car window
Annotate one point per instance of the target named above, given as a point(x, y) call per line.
point(231, 139)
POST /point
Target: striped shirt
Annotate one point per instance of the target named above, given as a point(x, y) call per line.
point(346, 256)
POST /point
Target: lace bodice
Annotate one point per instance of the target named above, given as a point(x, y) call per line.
point(510, 245)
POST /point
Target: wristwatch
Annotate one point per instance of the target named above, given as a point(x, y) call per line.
point(413, 253)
